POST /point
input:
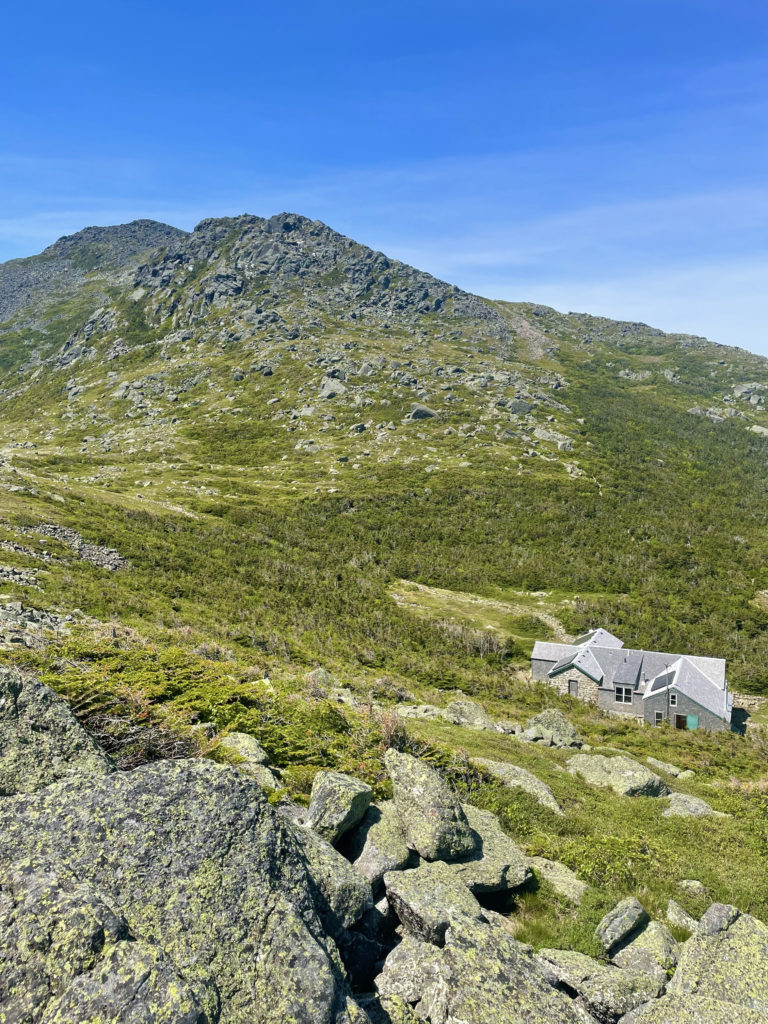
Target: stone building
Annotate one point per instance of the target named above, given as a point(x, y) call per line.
point(688, 691)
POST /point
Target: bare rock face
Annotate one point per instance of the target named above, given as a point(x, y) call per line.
point(482, 975)
point(428, 899)
point(621, 924)
point(337, 804)
point(378, 844)
point(607, 992)
point(725, 959)
point(435, 825)
point(174, 888)
point(41, 741)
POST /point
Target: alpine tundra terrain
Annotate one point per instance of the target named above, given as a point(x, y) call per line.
point(280, 521)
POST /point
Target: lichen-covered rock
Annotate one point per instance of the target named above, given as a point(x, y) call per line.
point(679, 917)
point(419, 711)
point(435, 825)
point(554, 728)
point(246, 746)
point(652, 950)
point(338, 802)
point(132, 984)
point(693, 887)
point(388, 1010)
point(620, 924)
point(480, 976)
point(681, 805)
point(252, 758)
point(519, 778)
point(607, 992)
point(190, 856)
point(560, 877)
point(343, 896)
point(41, 741)
point(428, 898)
point(664, 766)
point(696, 1010)
point(726, 959)
point(497, 863)
point(470, 714)
point(378, 844)
point(621, 774)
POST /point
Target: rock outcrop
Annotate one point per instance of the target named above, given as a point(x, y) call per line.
point(621, 923)
point(519, 778)
point(41, 741)
point(435, 825)
point(337, 804)
point(551, 728)
point(621, 774)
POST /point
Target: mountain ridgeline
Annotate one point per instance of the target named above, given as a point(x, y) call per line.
point(339, 421)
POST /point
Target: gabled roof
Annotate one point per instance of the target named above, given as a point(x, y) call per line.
point(686, 677)
point(600, 637)
point(603, 658)
point(582, 659)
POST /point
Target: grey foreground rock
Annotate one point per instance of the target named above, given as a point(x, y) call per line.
point(338, 803)
point(606, 992)
point(186, 857)
point(726, 959)
point(519, 778)
point(653, 950)
point(342, 896)
point(434, 823)
point(482, 975)
point(378, 844)
point(619, 924)
point(676, 1010)
point(679, 917)
point(621, 774)
point(41, 741)
point(497, 864)
point(428, 898)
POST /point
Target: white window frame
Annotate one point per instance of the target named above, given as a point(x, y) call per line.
point(673, 700)
point(623, 695)
point(658, 717)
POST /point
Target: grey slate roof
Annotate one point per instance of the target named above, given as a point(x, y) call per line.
point(602, 657)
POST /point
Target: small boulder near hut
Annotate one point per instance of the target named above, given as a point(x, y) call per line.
point(519, 778)
point(338, 803)
point(435, 825)
point(469, 714)
point(552, 729)
point(621, 774)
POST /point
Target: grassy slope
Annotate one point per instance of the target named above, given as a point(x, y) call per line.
point(254, 559)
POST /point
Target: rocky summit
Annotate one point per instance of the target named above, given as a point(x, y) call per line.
point(281, 519)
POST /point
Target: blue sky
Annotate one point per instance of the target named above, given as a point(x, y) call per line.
point(607, 156)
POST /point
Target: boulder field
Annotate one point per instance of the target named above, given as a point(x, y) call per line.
point(176, 893)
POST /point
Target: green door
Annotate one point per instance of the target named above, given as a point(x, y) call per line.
point(692, 721)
